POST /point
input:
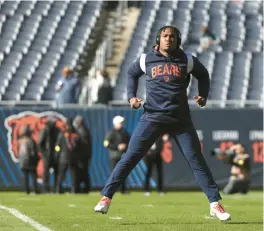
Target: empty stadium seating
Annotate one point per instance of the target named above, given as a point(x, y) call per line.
point(235, 64)
point(37, 39)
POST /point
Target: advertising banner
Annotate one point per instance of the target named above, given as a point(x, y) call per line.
point(215, 128)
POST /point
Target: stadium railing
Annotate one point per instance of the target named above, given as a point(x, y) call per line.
point(104, 51)
point(119, 103)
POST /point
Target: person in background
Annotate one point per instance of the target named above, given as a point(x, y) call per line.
point(101, 90)
point(46, 143)
point(153, 157)
point(68, 88)
point(116, 142)
point(208, 38)
point(28, 158)
point(66, 150)
point(84, 153)
point(105, 91)
point(237, 157)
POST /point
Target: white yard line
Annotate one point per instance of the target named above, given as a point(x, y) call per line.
point(28, 199)
point(149, 206)
point(207, 217)
point(25, 218)
point(71, 205)
point(115, 218)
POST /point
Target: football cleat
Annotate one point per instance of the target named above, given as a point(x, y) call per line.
point(219, 212)
point(103, 205)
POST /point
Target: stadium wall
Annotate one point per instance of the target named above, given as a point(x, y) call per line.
point(216, 128)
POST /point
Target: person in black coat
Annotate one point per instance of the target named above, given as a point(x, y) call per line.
point(28, 158)
point(84, 154)
point(47, 139)
point(67, 157)
point(116, 142)
point(152, 158)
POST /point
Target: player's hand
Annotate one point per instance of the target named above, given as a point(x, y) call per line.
point(135, 102)
point(200, 101)
point(156, 47)
point(121, 147)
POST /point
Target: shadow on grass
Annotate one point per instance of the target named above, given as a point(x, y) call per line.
point(192, 223)
point(244, 222)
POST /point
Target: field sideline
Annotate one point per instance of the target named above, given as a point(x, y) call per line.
point(134, 212)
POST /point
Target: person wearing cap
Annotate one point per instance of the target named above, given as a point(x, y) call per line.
point(116, 142)
point(68, 88)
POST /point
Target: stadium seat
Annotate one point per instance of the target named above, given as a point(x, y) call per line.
point(38, 38)
point(234, 64)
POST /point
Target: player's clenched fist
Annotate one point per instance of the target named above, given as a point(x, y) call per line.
point(135, 102)
point(200, 101)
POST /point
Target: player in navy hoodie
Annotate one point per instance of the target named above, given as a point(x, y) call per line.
point(166, 110)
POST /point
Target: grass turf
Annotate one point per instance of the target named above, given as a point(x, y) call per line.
point(174, 211)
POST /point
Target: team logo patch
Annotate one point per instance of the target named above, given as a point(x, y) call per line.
point(36, 121)
point(166, 78)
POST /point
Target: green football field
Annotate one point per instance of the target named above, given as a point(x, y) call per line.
point(174, 211)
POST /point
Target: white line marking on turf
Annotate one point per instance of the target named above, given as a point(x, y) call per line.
point(75, 225)
point(149, 206)
point(25, 218)
point(28, 199)
point(72, 205)
point(207, 217)
point(115, 218)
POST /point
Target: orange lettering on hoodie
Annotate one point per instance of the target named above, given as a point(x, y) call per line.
point(166, 70)
point(154, 71)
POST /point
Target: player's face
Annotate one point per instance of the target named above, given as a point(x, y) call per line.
point(168, 41)
point(118, 126)
point(240, 149)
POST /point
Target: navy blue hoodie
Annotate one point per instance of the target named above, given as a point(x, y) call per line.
point(167, 79)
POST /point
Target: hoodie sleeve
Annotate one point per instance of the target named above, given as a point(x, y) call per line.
point(201, 74)
point(134, 73)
